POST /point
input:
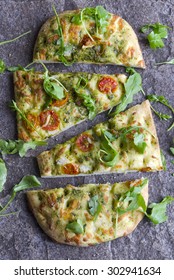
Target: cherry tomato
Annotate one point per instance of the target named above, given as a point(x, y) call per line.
point(85, 142)
point(49, 120)
point(107, 84)
point(33, 119)
point(71, 168)
point(59, 103)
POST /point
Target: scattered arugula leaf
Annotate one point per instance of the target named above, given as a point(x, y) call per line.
point(139, 142)
point(166, 62)
point(101, 19)
point(27, 182)
point(76, 227)
point(162, 116)
point(3, 174)
point(2, 66)
point(18, 146)
point(14, 39)
point(107, 154)
point(94, 207)
point(156, 212)
point(88, 101)
point(132, 86)
point(163, 160)
point(159, 32)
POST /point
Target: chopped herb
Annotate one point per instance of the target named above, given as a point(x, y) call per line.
point(27, 182)
point(3, 174)
point(166, 62)
point(159, 32)
point(11, 147)
point(14, 39)
point(2, 66)
point(76, 227)
point(132, 86)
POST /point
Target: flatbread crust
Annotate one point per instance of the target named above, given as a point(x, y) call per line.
point(58, 116)
point(117, 45)
point(54, 209)
point(72, 159)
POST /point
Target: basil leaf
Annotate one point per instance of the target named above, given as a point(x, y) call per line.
point(132, 86)
point(108, 155)
point(76, 227)
point(18, 146)
point(2, 66)
point(3, 174)
point(28, 181)
point(14, 39)
point(94, 207)
point(156, 212)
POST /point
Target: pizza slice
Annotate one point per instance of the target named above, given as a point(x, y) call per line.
point(90, 214)
point(90, 35)
point(127, 142)
point(49, 103)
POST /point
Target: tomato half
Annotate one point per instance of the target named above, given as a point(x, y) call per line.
point(49, 120)
point(107, 84)
point(59, 103)
point(85, 142)
point(71, 168)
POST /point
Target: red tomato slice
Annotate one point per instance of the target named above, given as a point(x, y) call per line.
point(85, 142)
point(107, 84)
point(49, 120)
point(71, 168)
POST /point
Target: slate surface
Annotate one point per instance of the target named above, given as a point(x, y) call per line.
point(20, 236)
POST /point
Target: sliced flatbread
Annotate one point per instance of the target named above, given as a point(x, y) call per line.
point(133, 146)
point(86, 215)
point(47, 118)
point(88, 42)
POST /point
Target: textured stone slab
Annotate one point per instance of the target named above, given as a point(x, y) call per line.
point(20, 236)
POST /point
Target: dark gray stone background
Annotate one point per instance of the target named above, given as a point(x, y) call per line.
point(20, 235)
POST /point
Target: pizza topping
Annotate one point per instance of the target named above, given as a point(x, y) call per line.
point(94, 207)
point(85, 142)
point(107, 85)
point(86, 42)
point(49, 120)
point(62, 102)
point(71, 168)
point(32, 118)
point(76, 227)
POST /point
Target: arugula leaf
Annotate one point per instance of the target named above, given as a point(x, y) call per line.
point(159, 32)
point(109, 155)
point(101, 19)
point(3, 174)
point(156, 212)
point(2, 66)
point(28, 181)
point(76, 227)
point(18, 146)
point(132, 86)
point(134, 199)
point(88, 101)
point(14, 39)
point(162, 116)
point(166, 62)
point(94, 207)
point(139, 142)
point(172, 150)
point(61, 40)
point(161, 99)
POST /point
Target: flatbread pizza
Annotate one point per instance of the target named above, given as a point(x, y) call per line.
point(127, 142)
point(90, 214)
point(82, 97)
point(90, 35)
